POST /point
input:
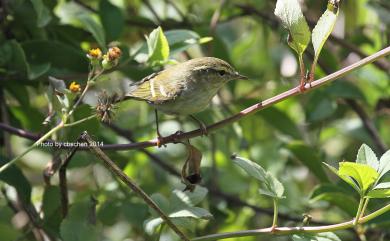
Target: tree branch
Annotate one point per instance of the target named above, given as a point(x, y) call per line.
point(112, 167)
point(174, 138)
point(293, 230)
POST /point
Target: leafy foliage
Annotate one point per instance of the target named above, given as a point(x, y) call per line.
point(43, 50)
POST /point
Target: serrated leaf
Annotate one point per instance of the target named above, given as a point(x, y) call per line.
point(367, 156)
point(158, 46)
point(42, 12)
point(328, 236)
point(324, 28)
point(363, 174)
point(384, 164)
point(290, 13)
point(347, 179)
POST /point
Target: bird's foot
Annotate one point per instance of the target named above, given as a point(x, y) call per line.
point(203, 129)
point(160, 140)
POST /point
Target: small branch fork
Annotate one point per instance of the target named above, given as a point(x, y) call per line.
point(246, 112)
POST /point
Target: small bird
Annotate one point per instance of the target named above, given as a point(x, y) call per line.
point(184, 89)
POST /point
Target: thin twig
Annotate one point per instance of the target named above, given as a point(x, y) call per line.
point(63, 180)
point(130, 183)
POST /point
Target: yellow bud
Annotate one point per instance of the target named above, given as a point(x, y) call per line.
point(74, 87)
point(95, 53)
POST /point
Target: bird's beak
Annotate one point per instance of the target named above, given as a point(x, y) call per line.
point(239, 76)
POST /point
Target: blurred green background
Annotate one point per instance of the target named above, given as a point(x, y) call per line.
point(42, 38)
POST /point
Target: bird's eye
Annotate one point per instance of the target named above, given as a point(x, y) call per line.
point(221, 72)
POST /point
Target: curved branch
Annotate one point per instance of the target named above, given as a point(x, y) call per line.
point(174, 138)
point(293, 230)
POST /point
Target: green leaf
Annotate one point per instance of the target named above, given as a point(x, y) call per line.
point(382, 190)
point(328, 236)
point(94, 28)
point(43, 13)
point(13, 176)
point(384, 164)
point(158, 46)
point(251, 168)
point(13, 59)
point(271, 186)
point(335, 195)
point(61, 57)
point(290, 13)
point(76, 226)
point(112, 20)
point(51, 208)
point(347, 179)
point(188, 198)
point(74, 14)
point(363, 174)
point(36, 70)
point(181, 39)
point(345, 89)
point(324, 28)
point(192, 212)
point(309, 157)
point(367, 156)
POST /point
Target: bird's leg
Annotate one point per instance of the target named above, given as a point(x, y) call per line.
point(159, 136)
point(202, 126)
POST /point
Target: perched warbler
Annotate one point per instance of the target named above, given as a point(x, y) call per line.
point(184, 89)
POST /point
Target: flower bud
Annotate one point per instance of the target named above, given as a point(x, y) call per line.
point(94, 54)
point(114, 53)
point(74, 87)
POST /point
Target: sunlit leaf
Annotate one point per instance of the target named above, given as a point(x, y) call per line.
point(290, 13)
point(384, 164)
point(324, 27)
point(367, 156)
point(158, 46)
point(363, 174)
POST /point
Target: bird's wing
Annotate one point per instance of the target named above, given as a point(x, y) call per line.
point(155, 90)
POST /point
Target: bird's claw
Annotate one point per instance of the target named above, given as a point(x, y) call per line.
point(160, 140)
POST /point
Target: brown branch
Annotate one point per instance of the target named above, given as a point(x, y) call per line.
point(271, 19)
point(113, 168)
point(174, 138)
